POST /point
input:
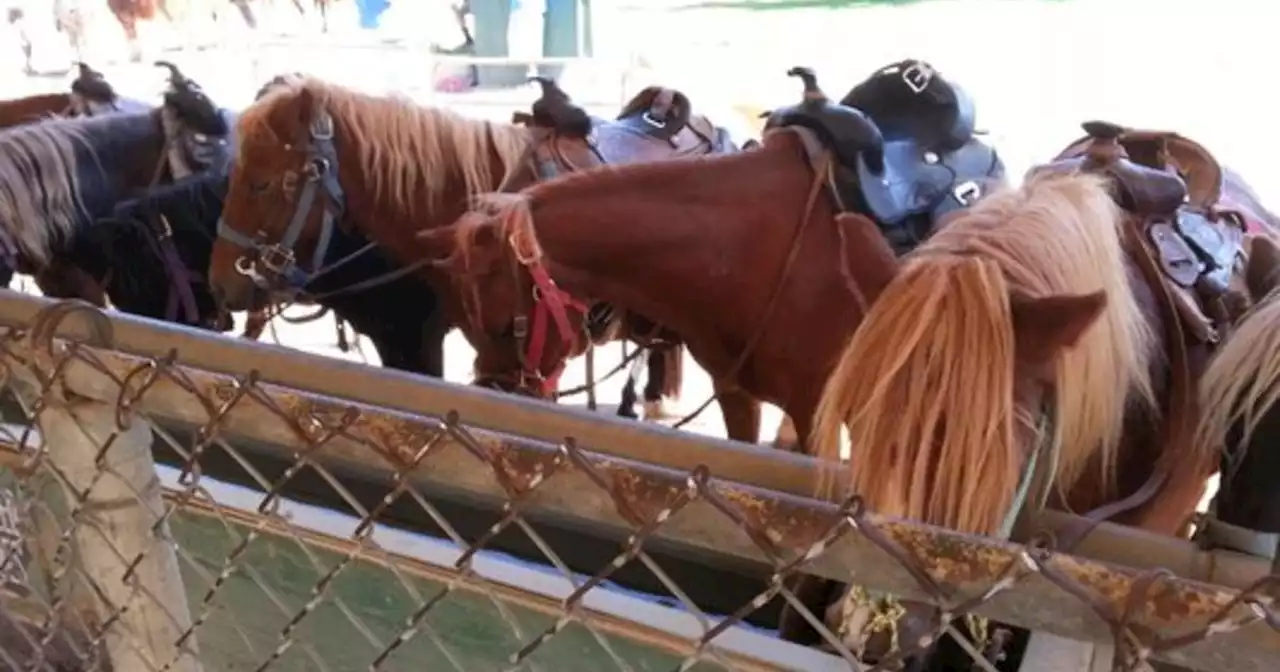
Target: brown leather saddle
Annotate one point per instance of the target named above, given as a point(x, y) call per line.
point(657, 124)
point(1171, 186)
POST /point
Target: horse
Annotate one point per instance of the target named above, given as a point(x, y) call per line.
point(1041, 349)
point(316, 154)
point(710, 250)
point(1240, 420)
point(399, 320)
point(61, 175)
point(90, 95)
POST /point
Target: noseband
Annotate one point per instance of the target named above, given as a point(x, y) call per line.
point(320, 172)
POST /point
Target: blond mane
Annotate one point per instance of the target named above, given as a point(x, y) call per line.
point(402, 145)
point(925, 387)
point(1242, 381)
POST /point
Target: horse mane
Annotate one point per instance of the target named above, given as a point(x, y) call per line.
point(192, 204)
point(400, 144)
point(40, 200)
point(925, 388)
point(1242, 381)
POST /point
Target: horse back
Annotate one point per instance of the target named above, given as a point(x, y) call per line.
point(33, 108)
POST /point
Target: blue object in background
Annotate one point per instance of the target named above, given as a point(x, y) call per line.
point(370, 10)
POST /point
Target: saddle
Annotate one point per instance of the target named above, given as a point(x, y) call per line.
point(658, 123)
point(1170, 187)
point(905, 147)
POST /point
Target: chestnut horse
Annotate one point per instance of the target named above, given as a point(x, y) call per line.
point(705, 247)
point(1018, 357)
point(1241, 420)
point(392, 168)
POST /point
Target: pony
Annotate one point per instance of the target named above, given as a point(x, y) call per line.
point(1240, 419)
point(1020, 357)
point(388, 168)
point(59, 176)
point(706, 247)
point(398, 321)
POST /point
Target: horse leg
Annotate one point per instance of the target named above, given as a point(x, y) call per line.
point(787, 438)
point(627, 405)
point(741, 413)
point(665, 378)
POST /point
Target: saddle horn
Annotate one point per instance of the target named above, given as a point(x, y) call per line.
point(554, 109)
point(176, 78)
point(847, 131)
point(92, 84)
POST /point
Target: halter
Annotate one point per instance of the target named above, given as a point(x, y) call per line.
point(548, 304)
point(319, 172)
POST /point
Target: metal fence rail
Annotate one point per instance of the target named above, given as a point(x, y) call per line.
point(170, 581)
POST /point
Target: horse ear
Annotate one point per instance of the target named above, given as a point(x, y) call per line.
point(442, 248)
point(1262, 275)
point(1044, 328)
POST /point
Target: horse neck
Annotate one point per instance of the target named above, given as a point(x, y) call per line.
point(642, 238)
point(128, 161)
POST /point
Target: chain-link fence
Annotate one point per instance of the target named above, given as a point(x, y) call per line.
point(179, 501)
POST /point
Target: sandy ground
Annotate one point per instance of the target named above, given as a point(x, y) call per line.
point(1036, 69)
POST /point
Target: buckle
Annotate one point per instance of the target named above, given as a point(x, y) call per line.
point(275, 258)
point(967, 193)
point(648, 119)
point(918, 76)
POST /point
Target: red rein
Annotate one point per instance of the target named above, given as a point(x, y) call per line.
point(549, 301)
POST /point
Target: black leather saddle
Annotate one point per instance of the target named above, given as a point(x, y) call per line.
point(934, 161)
point(905, 144)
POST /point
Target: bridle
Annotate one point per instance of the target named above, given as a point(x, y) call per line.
point(279, 260)
point(548, 304)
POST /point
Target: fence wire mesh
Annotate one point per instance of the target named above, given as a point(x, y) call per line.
point(110, 564)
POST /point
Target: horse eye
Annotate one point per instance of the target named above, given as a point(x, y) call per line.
point(259, 187)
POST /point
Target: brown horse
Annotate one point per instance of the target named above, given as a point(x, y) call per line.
point(1022, 356)
point(706, 247)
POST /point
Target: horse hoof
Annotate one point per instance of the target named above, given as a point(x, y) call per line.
point(658, 410)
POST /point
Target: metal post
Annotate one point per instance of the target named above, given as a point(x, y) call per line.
point(126, 557)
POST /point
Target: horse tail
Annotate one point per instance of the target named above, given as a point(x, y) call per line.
point(924, 390)
point(1242, 382)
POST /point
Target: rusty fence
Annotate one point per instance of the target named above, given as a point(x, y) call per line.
point(171, 500)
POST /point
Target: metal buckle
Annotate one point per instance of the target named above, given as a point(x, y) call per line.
point(520, 326)
point(967, 193)
point(648, 119)
point(166, 231)
point(918, 76)
point(275, 258)
point(317, 168)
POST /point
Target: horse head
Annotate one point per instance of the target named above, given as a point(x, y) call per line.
point(283, 200)
point(522, 326)
point(152, 243)
point(996, 377)
point(199, 128)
